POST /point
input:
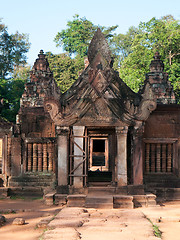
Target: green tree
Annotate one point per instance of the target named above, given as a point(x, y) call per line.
point(76, 38)
point(121, 45)
point(13, 72)
point(13, 49)
point(65, 69)
point(161, 35)
point(11, 91)
point(75, 42)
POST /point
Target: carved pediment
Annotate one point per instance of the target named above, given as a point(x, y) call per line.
point(99, 96)
point(99, 82)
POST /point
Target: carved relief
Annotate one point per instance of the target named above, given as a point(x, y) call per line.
point(52, 107)
point(99, 95)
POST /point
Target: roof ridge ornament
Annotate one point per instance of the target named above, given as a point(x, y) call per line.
point(40, 67)
point(99, 45)
point(157, 64)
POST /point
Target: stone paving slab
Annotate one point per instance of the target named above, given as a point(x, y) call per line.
point(96, 224)
point(62, 234)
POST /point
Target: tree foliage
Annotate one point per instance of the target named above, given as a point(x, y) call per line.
point(13, 72)
point(76, 38)
point(132, 51)
point(65, 69)
point(13, 49)
point(161, 35)
point(11, 91)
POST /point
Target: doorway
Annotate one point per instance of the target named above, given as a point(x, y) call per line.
point(100, 156)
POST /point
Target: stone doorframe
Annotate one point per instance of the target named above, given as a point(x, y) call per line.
point(79, 173)
point(5, 158)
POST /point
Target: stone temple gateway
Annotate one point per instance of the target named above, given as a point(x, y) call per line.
point(98, 133)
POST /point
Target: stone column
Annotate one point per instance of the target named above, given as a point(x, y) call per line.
point(63, 136)
point(50, 151)
point(29, 167)
point(78, 131)
point(34, 157)
point(39, 157)
point(44, 157)
point(121, 177)
point(138, 154)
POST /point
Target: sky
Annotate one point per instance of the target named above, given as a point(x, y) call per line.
point(43, 19)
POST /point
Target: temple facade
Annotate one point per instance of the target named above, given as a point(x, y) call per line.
point(98, 132)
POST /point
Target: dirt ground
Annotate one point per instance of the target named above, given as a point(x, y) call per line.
point(167, 218)
point(90, 224)
point(33, 211)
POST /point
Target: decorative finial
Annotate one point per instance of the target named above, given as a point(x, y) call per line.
point(41, 65)
point(41, 54)
point(157, 64)
point(99, 45)
point(157, 56)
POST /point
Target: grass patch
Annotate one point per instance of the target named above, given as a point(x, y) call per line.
point(36, 198)
point(156, 231)
point(2, 198)
point(45, 230)
point(8, 212)
point(17, 197)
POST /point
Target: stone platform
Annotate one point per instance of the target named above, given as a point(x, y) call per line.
point(101, 201)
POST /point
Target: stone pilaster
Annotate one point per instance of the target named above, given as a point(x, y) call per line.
point(63, 135)
point(78, 132)
point(138, 154)
point(121, 168)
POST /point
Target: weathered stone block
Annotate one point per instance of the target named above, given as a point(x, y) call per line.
point(123, 201)
point(151, 200)
point(2, 220)
point(140, 200)
point(18, 221)
point(3, 192)
point(60, 199)
point(135, 189)
point(76, 200)
point(49, 199)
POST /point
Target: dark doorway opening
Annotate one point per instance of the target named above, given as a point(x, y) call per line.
point(99, 167)
point(98, 145)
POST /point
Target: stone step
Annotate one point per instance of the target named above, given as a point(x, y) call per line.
point(30, 184)
point(100, 184)
point(4, 192)
point(122, 201)
point(98, 190)
point(100, 205)
point(161, 180)
point(173, 194)
point(167, 194)
point(99, 202)
point(155, 176)
point(27, 191)
point(78, 200)
point(31, 179)
point(41, 180)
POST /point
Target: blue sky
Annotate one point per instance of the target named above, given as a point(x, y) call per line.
point(42, 19)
